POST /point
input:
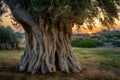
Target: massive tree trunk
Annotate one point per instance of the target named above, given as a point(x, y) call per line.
point(48, 48)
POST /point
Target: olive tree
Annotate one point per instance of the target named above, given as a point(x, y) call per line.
point(48, 30)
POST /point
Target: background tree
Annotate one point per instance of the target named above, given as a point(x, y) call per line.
point(8, 38)
point(48, 30)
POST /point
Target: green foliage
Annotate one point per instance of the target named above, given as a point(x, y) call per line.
point(84, 43)
point(8, 37)
point(104, 38)
point(116, 43)
point(99, 43)
point(73, 11)
point(110, 34)
point(107, 36)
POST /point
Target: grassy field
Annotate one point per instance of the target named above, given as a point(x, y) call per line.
point(96, 63)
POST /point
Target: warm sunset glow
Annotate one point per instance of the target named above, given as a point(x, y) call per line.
point(6, 20)
point(98, 28)
point(90, 32)
point(83, 29)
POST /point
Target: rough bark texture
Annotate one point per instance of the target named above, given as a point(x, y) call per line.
point(47, 47)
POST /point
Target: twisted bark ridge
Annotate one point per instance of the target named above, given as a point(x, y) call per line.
point(48, 48)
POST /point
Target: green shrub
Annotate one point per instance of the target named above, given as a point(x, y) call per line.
point(116, 43)
point(100, 42)
point(99, 39)
point(84, 43)
point(8, 38)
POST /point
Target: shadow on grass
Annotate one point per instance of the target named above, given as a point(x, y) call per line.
point(8, 68)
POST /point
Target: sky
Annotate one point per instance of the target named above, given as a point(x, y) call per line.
point(7, 22)
point(96, 29)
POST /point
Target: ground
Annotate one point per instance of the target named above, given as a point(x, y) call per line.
point(97, 64)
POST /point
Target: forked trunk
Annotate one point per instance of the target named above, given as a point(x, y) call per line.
point(48, 48)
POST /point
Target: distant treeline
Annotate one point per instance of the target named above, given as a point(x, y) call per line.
point(105, 38)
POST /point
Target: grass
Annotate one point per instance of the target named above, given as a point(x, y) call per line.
point(102, 56)
point(103, 62)
point(10, 56)
point(97, 64)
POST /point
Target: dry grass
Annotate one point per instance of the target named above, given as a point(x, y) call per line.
point(97, 64)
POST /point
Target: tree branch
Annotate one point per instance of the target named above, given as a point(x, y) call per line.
point(19, 13)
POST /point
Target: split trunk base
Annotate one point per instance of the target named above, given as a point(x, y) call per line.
point(47, 52)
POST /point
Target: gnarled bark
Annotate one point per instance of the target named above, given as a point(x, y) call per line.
point(48, 50)
point(47, 47)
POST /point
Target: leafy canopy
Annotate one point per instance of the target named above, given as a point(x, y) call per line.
point(73, 11)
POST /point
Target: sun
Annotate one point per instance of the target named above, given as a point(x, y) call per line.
point(90, 32)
